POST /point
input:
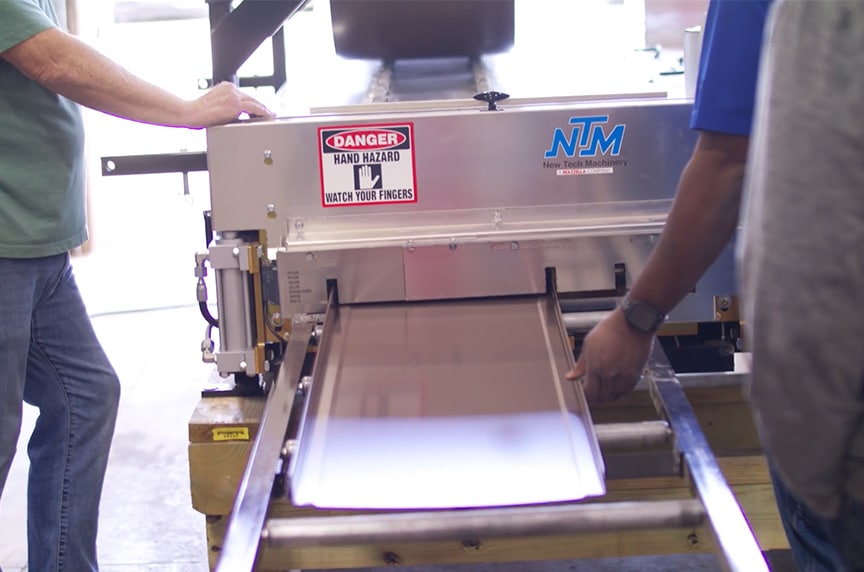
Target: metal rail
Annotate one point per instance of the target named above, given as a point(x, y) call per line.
point(439, 104)
point(735, 540)
point(239, 550)
point(184, 162)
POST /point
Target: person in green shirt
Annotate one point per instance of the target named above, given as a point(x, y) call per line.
point(49, 354)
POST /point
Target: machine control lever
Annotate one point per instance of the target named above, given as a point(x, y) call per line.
point(492, 98)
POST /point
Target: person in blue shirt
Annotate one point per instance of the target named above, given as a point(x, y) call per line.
point(702, 221)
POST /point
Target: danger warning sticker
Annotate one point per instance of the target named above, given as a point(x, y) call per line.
point(367, 165)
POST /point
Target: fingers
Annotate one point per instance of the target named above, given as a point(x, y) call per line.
point(597, 390)
point(578, 370)
point(245, 103)
point(255, 108)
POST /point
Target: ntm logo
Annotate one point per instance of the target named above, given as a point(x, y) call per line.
point(590, 136)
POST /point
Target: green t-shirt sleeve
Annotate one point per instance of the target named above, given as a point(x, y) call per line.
point(21, 20)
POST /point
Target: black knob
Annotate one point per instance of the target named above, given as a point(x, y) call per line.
point(492, 98)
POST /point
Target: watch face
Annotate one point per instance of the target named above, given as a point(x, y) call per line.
point(642, 316)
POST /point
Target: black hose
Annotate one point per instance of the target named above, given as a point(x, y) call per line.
point(205, 311)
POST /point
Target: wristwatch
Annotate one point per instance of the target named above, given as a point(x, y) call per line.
point(644, 317)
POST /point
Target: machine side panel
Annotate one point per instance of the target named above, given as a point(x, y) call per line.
point(264, 175)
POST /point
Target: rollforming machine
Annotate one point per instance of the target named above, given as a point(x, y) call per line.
point(403, 280)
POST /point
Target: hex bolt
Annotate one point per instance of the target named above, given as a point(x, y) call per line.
point(235, 251)
point(305, 382)
point(724, 303)
point(243, 365)
point(514, 245)
point(289, 448)
point(310, 256)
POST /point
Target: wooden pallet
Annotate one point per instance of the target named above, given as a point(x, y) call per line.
point(221, 431)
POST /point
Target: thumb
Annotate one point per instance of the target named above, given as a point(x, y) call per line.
point(578, 370)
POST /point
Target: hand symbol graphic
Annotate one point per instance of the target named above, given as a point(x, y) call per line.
point(365, 176)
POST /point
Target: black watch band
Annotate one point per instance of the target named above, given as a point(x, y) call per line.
point(642, 316)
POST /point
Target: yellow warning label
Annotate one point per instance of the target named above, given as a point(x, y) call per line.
point(231, 434)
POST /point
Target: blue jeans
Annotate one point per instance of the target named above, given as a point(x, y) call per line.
point(50, 358)
point(819, 544)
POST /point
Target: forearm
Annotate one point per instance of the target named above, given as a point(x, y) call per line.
point(702, 221)
point(73, 69)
